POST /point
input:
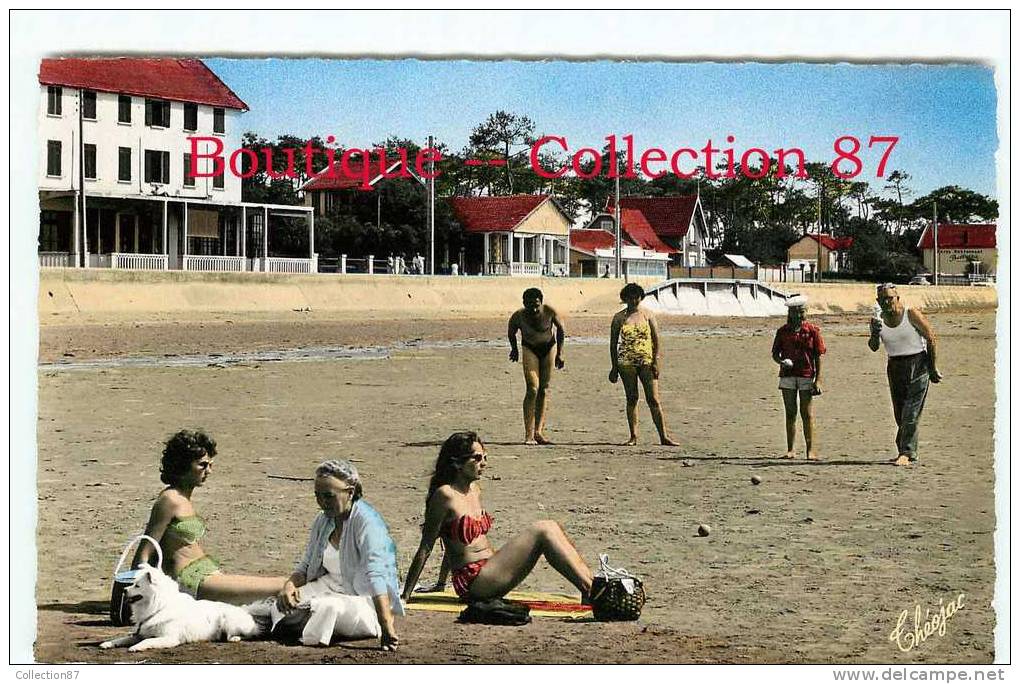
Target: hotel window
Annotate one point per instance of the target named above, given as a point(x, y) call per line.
point(124, 163)
point(189, 180)
point(217, 181)
point(54, 100)
point(190, 116)
point(88, 104)
point(219, 124)
point(124, 108)
point(55, 231)
point(157, 113)
point(157, 166)
point(90, 161)
point(52, 157)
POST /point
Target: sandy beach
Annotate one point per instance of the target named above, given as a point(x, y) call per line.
point(815, 564)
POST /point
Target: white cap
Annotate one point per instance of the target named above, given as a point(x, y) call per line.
point(796, 300)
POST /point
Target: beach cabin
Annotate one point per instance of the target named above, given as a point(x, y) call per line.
point(516, 235)
point(115, 182)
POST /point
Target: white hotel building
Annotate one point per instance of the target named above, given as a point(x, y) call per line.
point(114, 184)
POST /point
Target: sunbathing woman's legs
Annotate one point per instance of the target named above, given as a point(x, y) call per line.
point(239, 589)
point(511, 564)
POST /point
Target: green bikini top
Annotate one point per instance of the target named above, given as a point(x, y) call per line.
point(189, 529)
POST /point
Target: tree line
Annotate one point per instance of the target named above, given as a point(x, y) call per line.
point(758, 218)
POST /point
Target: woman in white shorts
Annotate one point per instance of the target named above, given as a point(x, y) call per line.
point(798, 349)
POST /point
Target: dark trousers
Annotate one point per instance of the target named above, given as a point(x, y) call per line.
point(908, 385)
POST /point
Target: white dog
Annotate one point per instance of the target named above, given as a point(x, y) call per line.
point(165, 617)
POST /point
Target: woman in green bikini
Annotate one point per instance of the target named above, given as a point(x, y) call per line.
point(635, 354)
point(186, 464)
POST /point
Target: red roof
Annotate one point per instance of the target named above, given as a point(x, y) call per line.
point(589, 240)
point(341, 180)
point(642, 233)
point(952, 235)
point(669, 217)
point(182, 80)
point(833, 244)
point(492, 214)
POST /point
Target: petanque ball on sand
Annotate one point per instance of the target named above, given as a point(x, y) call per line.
point(704, 530)
point(755, 479)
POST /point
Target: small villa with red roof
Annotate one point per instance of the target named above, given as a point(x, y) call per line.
point(519, 235)
point(115, 183)
point(835, 253)
point(677, 222)
point(642, 252)
point(324, 191)
point(964, 249)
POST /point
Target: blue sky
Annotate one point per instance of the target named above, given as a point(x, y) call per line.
point(943, 114)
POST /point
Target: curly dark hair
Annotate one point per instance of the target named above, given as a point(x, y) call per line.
point(452, 454)
point(532, 292)
point(181, 450)
point(632, 290)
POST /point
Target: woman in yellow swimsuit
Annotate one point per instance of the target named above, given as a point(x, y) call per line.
point(634, 352)
point(186, 464)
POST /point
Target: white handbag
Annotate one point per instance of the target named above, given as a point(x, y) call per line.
point(120, 609)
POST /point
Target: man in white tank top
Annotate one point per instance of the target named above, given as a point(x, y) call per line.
point(912, 348)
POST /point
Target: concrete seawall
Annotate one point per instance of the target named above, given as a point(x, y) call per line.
point(97, 293)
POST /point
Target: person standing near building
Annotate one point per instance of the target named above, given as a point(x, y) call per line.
point(798, 349)
point(912, 347)
point(535, 321)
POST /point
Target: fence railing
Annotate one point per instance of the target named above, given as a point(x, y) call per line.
point(288, 265)
point(525, 269)
point(194, 262)
point(781, 274)
point(141, 262)
point(516, 268)
point(56, 260)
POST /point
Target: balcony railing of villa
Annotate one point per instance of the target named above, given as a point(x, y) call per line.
point(518, 268)
point(140, 262)
point(55, 260)
point(290, 265)
point(234, 264)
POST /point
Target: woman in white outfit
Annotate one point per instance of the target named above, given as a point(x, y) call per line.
point(345, 584)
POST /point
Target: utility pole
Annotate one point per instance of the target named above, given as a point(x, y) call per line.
point(618, 242)
point(81, 179)
point(935, 237)
point(432, 210)
point(818, 265)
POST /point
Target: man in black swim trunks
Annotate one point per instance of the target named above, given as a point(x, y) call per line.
point(536, 321)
